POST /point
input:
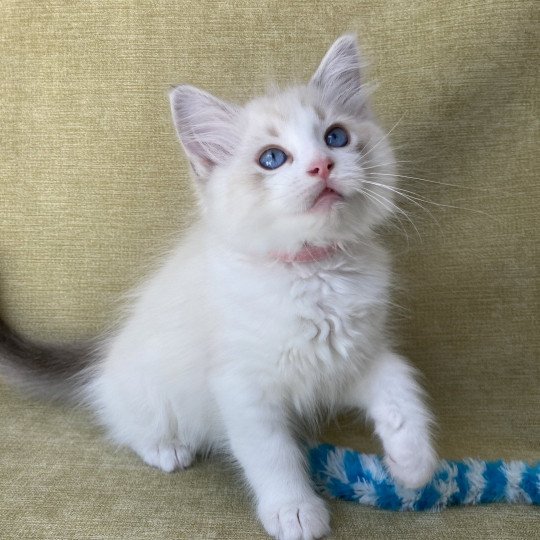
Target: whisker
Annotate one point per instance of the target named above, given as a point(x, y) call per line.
point(419, 179)
point(474, 210)
point(400, 210)
point(377, 165)
point(413, 200)
point(400, 228)
point(382, 138)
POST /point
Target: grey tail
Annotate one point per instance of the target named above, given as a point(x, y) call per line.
point(56, 372)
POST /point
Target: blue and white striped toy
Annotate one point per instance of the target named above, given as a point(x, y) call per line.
point(345, 474)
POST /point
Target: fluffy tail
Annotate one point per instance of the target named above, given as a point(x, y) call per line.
point(55, 372)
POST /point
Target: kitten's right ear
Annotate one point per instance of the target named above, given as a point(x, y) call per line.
point(338, 75)
point(206, 127)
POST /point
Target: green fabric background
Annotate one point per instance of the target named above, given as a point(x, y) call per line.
point(93, 186)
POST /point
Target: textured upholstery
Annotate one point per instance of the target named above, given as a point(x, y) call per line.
point(93, 186)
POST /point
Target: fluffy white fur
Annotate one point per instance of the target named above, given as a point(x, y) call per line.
point(228, 347)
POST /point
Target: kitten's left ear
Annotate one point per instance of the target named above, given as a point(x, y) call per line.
point(338, 75)
point(205, 125)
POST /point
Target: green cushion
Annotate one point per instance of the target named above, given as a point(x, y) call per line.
point(94, 186)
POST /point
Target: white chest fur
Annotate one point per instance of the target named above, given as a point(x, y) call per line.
point(305, 327)
point(326, 317)
point(339, 318)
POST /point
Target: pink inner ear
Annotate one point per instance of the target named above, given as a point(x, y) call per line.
point(338, 75)
point(207, 162)
point(205, 125)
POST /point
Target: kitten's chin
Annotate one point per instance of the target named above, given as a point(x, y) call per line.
point(332, 219)
point(326, 199)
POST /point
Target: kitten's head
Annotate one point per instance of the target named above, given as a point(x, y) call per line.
point(294, 166)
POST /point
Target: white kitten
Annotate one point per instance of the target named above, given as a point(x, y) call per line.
point(271, 312)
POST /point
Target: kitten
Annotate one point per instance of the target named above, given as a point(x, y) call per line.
point(271, 312)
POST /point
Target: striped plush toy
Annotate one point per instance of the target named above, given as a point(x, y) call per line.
point(345, 474)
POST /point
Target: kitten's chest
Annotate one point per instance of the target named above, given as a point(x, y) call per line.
point(328, 313)
point(335, 327)
point(305, 324)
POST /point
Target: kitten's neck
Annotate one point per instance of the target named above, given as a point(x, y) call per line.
point(307, 254)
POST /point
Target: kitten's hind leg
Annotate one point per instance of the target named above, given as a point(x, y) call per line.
point(139, 413)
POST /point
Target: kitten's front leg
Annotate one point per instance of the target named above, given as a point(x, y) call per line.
point(274, 465)
point(393, 400)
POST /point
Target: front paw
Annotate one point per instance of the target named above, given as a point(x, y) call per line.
point(411, 463)
point(307, 519)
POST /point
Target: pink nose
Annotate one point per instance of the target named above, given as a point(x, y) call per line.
point(321, 167)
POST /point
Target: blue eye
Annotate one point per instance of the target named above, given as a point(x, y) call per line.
point(336, 137)
point(272, 158)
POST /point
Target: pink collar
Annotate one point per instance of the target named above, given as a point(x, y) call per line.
point(306, 254)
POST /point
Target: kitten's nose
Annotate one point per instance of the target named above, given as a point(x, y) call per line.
point(321, 167)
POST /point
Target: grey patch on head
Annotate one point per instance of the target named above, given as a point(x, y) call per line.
point(360, 147)
point(258, 176)
point(56, 372)
point(302, 100)
point(272, 131)
point(319, 112)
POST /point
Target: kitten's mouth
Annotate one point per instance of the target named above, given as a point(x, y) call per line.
point(326, 199)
